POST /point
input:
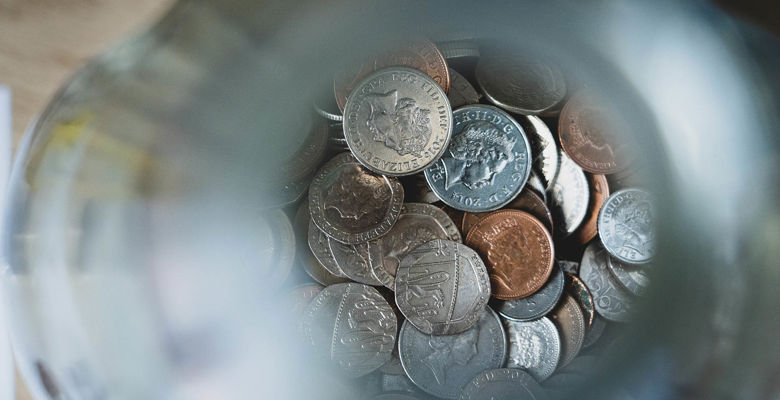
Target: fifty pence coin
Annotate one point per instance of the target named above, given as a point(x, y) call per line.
point(518, 252)
point(442, 287)
point(461, 92)
point(398, 121)
point(486, 164)
point(611, 300)
point(535, 305)
point(442, 365)
point(544, 149)
point(354, 261)
point(579, 291)
point(351, 204)
point(626, 226)
point(632, 277)
point(534, 346)
point(570, 321)
point(569, 197)
point(599, 192)
point(417, 224)
point(503, 384)
point(351, 326)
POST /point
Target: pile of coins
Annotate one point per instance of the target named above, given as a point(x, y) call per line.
point(460, 249)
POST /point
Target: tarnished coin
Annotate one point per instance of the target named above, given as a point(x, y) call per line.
point(592, 136)
point(398, 121)
point(543, 148)
point(517, 250)
point(579, 291)
point(571, 326)
point(442, 365)
point(486, 164)
point(318, 244)
point(527, 201)
point(537, 304)
point(354, 261)
point(611, 300)
point(594, 333)
point(569, 197)
point(520, 83)
point(534, 346)
point(461, 92)
point(632, 277)
point(503, 384)
point(627, 226)
point(599, 192)
point(351, 326)
point(351, 204)
point(442, 287)
point(417, 224)
point(420, 55)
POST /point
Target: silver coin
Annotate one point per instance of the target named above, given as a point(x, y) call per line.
point(503, 384)
point(351, 204)
point(536, 305)
point(519, 83)
point(351, 326)
point(442, 365)
point(571, 267)
point(611, 300)
point(569, 319)
point(417, 224)
point(318, 244)
point(594, 333)
point(486, 164)
point(629, 276)
point(569, 196)
point(534, 346)
point(327, 108)
point(442, 287)
point(543, 148)
point(626, 226)
point(461, 92)
point(354, 261)
point(398, 121)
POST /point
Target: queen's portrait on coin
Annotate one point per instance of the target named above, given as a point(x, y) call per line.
point(445, 352)
point(476, 155)
point(399, 124)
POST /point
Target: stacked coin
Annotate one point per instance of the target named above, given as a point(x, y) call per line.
point(461, 248)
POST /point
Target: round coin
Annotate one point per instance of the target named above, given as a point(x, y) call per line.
point(592, 135)
point(569, 197)
point(536, 305)
point(517, 250)
point(534, 346)
point(442, 365)
point(397, 121)
point(461, 92)
point(486, 164)
point(577, 289)
point(611, 300)
point(599, 192)
point(503, 384)
point(543, 148)
point(351, 326)
point(571, 326)
point(626, 226)
point(442, 287)
point(631, 277)
point(351, 204)
point(417, 224)
point(354, 261)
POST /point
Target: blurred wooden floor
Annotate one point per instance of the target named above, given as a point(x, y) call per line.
point(42, 42)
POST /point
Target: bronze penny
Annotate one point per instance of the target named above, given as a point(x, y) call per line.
point(599, 192)
point(593, 136)
point(527, 201)
point(517, 250)
point(421, 55)
point(576, 287)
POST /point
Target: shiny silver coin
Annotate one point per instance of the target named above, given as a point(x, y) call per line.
point(417, 224)
point(570, 320)
point(545, 152)
point(569, 197)
point(352, 327)
point(631, 277)
point(486, 164)
point(398, 121)
point(503, 384)
point(442, 287)
point(534, 346)
point(442, 365)
point(594, 333)
point(354, 261)
point(519, 83)
point(461, 92)
point(611, 300)
point(536, 305)
point(351, 204)
point(319, 246)
point(626, 226)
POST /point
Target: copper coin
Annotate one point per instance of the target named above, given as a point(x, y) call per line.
point(517, 250)
point(576, 287)
point(599, 192)
point(593, 136)
point(421, 55)
point(527, 201)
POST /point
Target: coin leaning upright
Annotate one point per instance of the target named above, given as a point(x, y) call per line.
point(397, 121)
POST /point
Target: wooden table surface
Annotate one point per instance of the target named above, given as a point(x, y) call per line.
point(42, 42)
